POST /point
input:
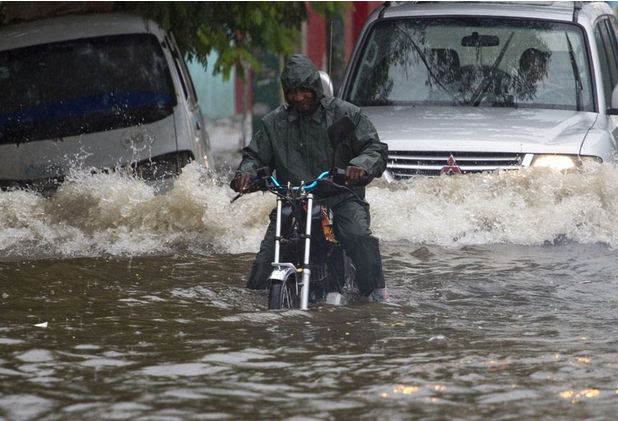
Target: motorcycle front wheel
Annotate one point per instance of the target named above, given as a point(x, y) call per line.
point(282, 295)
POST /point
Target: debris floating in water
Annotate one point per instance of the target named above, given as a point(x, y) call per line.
point(437, 338)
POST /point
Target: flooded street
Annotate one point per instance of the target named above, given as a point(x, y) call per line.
point(119, 302)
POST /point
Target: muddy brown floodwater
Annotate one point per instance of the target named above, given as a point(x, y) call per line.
point(117, 302)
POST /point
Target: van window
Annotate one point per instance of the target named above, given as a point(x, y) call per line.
point(497, 62)
point(183, 73)
point(83, 86)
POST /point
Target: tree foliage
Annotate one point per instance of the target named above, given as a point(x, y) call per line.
point(236, 30)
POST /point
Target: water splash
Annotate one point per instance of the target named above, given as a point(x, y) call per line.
point(118, 215)
point(526, 207)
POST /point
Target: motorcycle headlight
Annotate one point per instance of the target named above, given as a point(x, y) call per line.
point(561, 162)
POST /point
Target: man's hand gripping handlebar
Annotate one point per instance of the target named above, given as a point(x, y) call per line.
point(243, 183)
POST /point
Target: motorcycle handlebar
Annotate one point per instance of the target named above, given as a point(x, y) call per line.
point(337, 178)
point(306, 187)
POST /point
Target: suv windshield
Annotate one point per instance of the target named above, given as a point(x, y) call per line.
point(83, 86)
point(474, 62)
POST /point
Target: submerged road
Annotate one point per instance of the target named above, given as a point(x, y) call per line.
point(117, 302)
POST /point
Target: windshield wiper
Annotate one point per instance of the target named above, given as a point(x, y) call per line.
point(477, 96)
point(579, 87)
point(431, 74)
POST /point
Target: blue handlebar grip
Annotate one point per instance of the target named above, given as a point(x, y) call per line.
point(308, 187)
point(275, 182)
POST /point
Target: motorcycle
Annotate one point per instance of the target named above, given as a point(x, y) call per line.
point(309, 264)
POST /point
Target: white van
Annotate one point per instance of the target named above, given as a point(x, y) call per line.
point(99, 91)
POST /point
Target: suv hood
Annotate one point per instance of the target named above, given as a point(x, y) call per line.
point(454, 129)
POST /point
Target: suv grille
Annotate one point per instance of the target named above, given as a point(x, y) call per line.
point(404, 164)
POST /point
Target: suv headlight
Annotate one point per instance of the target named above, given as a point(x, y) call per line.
point(562, 162)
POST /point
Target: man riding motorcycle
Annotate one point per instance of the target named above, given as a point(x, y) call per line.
point(293, 141)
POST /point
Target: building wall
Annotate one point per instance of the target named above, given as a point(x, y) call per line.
point(314, 39)
point(317, 34)
point(330, 43)
point(215, 94)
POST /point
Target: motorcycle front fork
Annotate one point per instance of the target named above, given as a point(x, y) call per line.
point(306, 276)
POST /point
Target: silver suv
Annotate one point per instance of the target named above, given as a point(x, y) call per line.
point(471, 87)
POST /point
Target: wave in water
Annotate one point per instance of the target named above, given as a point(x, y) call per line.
point(117, 215)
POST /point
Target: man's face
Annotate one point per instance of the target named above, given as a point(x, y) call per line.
point(301, 99)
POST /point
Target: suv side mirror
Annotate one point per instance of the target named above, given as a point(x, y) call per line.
point(613, 107)
point(327, 84)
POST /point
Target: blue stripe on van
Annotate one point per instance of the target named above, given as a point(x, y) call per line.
point(111, 102)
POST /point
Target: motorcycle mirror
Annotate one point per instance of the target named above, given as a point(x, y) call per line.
point(339, 130)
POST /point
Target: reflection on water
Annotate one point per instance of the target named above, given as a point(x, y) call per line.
point(503, 305)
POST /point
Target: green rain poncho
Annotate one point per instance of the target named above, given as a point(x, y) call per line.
point(297, 146)
point(298, 149)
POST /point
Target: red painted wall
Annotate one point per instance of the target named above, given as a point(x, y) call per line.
point(315, 38)
point(354, 20)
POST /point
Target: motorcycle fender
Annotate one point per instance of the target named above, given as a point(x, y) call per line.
point(281, 274)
